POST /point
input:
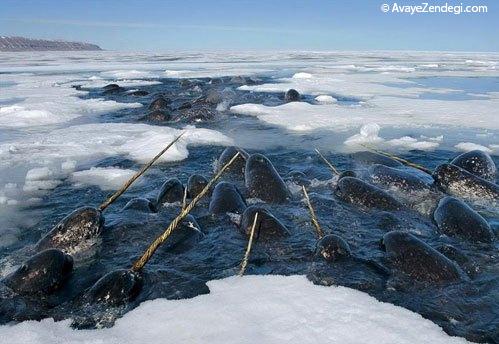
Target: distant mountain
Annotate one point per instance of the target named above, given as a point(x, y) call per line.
point(28, 44)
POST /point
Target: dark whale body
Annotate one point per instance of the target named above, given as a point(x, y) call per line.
point(418, 260)
point(263, 181)
point(358, 192)
point(82, 225)
point(267, 225)
point(456, 218)
point(478, 163)
point(44, 273)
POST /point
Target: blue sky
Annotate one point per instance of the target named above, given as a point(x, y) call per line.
point(163, 25)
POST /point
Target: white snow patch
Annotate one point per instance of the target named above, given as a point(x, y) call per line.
point(53, 156)
point(469, 146)
point(325, 99)
point(106, 178)
point(412, 143)
point(302, 75)
point(368, 135)
point(127, 74)
point(251, 309)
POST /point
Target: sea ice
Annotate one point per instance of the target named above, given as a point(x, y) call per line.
point(251, 309)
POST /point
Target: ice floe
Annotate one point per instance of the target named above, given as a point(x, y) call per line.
point(250, 309)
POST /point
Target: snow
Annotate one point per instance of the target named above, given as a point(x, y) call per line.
point(368, 135)
point(325, 99)
point(469, 146)
point(106, 178)
point(60, 151)
point(302, 75)
point(251, 309)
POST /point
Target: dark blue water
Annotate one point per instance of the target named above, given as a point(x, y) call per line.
point(466, 308)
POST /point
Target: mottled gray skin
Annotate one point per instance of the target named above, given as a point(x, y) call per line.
point(226, 197)
point(333, 248)
point(465, 263)
point(195, 114)
point(115, 288)
point(171, 191)
point(139, 93)
point(458, 182)
point(478, 163)
point(456, 218)
point(347, 173)
point(292, 95)
point(195, 185)
point(82, 225)
point(267, 225)
point(160, 103)
point(392, 177)
point(157, 116)
point(358, 192)
point(369, 158)
point(44, 273)
point(418, 260)
point(238, 165)
point(112, 88)
point(263, 181)
point(140, 204)
point(187, 234)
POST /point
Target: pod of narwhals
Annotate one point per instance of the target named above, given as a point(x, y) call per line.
point(468, 177)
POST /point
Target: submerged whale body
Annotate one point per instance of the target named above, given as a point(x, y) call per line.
point(369, 158)
point(226, 198)
point(333, 248)
point(140, 204)
point(171, 191)
point(238, 165)
point(185, 236)
point(77, 229)
point(292, 95)
point(392, 177)
point(347, 173)
point(358, 192)
point(195, 185)
point(44, 273)
point(160, 103)
point(418, 260)
point(456, 218)
point(478, 163)
point(115, 288)
point(456, 181)
point(263, 181)
point(267, 225)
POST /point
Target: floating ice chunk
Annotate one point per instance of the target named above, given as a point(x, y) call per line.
point(68, 166)
point(127, 74)
point(106, 178)
point(99, 83)
point(41, 179)
point(56, 111)
point(430, 65)
point(469, 146)
point(412, 143)
point(223, 106)
point(176, 73)
point(302, 75)
point(325, 99)
point(19, 116)
point(250, 309)
point(40, 173)
point(368, 135)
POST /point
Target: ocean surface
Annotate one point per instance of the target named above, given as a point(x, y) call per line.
point(66, 143)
